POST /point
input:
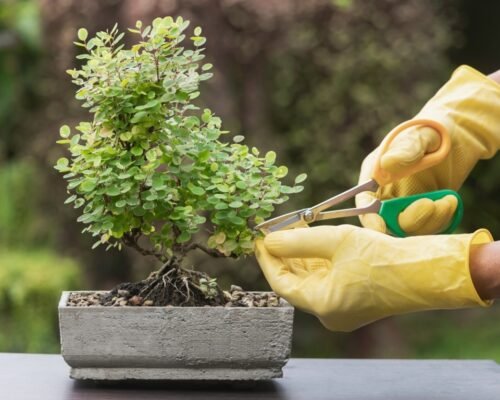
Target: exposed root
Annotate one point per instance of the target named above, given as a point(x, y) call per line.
point(171, 285)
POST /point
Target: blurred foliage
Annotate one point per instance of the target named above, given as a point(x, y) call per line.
point(342, 78)
point(22, 223)
point(466, 334)
point(19, 50)
point(31, 283)
point(32, 276)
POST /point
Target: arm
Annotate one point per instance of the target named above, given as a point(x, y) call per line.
point(485, 269)
point(495, 76)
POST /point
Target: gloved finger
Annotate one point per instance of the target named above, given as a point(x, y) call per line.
point(297, 291)
point(317, 242)
point(370, 221)
point(409, 147)
point(303, 267)
point(277, 273)
point(425, 216)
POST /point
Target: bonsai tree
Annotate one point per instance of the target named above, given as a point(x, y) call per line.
point(150, 170)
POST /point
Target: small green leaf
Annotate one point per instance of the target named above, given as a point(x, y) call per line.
point(204, 155)
point(64, 131)
point(136, 150)
point(113, 191)
point(241, 185)
point(79, 202)
point(237, 220)
point(221, 206)
point(286, 189)
point(70, 199)
point(151, 155)
point(181, 96)
point(121, 203)
point(300, 178)
point(183, 237)
point(88, 185)
point(270, 157)
point(205, 117)
point(230, 245)
point(197, 190)
point(236, 204)
point(158, 182)
point(222, 187)
point(125, 136)
point(82, 34)
point(138, 117)
point(238, 138)
point(62, 162)
point(281, 172)
point(150, 104)
point(197, 31)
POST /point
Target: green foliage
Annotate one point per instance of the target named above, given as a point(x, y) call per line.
point(150, 163)
point(209, 287)
point(31, 276)
point(30, 287)
point(462, 334)
point(19, 55)
point(21, 222)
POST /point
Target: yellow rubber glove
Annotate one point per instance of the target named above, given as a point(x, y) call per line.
point(468, 105)
point(349, 276)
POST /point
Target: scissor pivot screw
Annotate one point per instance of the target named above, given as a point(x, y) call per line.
point(308, 216)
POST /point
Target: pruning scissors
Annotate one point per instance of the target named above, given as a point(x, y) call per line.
point(390, 209)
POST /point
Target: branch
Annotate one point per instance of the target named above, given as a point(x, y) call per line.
point(211, 252)
point(131, 239)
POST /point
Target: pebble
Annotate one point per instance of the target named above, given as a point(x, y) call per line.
point(235, 297)
point(273, 302)
point(135, 300)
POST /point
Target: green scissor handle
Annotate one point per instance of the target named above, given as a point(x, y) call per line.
point(390, 210)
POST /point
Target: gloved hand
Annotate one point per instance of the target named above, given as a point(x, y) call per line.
point(349, 276)
point(468, 105)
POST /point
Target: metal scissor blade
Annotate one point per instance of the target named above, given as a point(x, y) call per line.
point(373, 207)
point(281, 221)
point(370, 185)
point(312, 214)
point(287, 222)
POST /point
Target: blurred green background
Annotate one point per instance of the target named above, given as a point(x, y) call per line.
point(319, 81)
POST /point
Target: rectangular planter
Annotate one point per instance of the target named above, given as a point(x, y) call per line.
point(175, 343)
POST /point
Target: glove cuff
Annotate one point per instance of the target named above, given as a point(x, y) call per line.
point(449, 278)
point(481, 236)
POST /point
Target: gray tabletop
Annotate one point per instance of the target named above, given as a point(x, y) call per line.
point(45, 377)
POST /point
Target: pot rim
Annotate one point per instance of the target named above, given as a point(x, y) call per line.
point(63, 303)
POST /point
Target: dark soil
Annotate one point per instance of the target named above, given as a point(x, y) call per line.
point(175, 288)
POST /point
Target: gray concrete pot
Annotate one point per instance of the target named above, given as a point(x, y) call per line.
point(175, 343)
